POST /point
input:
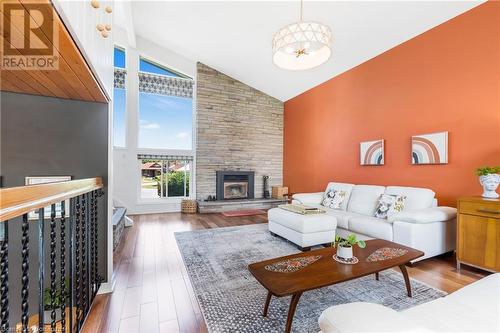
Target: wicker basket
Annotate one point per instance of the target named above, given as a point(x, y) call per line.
point(188, 206)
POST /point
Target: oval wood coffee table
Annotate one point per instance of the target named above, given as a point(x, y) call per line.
point(301, 272)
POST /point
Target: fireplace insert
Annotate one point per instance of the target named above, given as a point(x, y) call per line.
point(235, 185)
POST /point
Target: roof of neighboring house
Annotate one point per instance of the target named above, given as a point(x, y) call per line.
point(151, 166)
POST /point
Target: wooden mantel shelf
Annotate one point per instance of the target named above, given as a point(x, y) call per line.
point(73, 78)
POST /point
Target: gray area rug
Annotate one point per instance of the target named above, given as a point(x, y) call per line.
point(232, 300)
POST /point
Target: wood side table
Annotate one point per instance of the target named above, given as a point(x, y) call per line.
point(478, 233)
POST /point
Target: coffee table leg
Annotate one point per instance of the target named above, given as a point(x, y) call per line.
point(407, 279)
point(376, 276)
point(266, 306)
point(291, 311)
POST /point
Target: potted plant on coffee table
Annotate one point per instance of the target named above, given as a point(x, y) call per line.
point(344, 247)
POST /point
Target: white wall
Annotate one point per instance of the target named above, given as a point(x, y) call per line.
point(125, 164)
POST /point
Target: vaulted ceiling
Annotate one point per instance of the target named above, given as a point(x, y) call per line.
point(235, 37)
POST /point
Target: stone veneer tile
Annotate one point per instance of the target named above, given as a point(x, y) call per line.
point(238, 128)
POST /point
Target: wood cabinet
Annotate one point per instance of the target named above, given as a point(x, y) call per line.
point(478, 233)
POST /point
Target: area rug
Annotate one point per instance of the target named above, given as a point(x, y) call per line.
point(232, 300)
point(246, 212)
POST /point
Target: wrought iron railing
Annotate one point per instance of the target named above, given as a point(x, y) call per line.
point(65, 294)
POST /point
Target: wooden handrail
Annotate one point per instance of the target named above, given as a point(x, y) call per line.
point(16, 201)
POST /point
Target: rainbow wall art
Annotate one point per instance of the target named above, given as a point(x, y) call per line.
point(372, 152)
point(429, 148)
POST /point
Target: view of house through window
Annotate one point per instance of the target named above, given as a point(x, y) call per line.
point(164, 178)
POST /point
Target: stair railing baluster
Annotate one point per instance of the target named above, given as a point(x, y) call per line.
point(100, 193)
point(53, 268)
point(72, 222)
point(92, 272)
point(77, 263)
point(62, 282)
point(4, 279)
point(88, 224)
point(84, 254)
point(41, 267)
point(25, 274)
point(94, 224)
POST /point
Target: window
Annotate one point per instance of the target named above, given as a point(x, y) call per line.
point(165, 178)
point(119, 99)
point(147, 66)
point(119, 58)
point(165, 108)
point(165, 122)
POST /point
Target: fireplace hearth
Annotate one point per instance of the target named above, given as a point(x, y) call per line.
point(232, 185)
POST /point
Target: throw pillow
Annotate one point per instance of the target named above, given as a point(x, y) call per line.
point(334, 198)
point(389, 204)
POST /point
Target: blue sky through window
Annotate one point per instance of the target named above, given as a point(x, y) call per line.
point(165, 122)
point(119, 115)
point(148, 67)
point(119, 58)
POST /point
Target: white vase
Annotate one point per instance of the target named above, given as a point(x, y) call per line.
point(490, 184)
point(344, 252)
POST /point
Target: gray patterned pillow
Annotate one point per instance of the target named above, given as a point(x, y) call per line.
point(333, 199)
point(389, 204)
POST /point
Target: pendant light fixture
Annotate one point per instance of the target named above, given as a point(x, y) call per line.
point(302, 45)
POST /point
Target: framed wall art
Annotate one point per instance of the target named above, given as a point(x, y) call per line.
point(372, 152)
point(429, 148)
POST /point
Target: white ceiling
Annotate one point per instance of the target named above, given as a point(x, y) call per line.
point(235, 37)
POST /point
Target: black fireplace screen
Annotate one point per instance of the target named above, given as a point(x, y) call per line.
point(235, 185)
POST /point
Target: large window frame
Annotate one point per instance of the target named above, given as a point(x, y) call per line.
point(190, 153)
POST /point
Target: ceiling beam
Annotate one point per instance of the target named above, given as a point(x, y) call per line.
point(129, 18)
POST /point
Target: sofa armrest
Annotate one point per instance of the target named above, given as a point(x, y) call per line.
point(427, 215)
point(365, 317)
point(308, 198)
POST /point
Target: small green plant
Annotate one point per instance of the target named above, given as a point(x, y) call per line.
point(350, 241)
point(487, 170)
point(47, 300)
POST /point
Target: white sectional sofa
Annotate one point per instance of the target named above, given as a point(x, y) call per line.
point(421, 225)
point(474, 308)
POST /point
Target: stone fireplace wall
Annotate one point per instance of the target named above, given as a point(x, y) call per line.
point(238, 128)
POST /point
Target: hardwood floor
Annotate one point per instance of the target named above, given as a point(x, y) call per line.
point(153, 292)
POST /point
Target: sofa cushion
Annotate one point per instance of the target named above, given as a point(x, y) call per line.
point(371, 226)
point(364, 199)
point(342, 217)
point(473, 308)
point(308, 198)
point(346, 187)
point(427, 215)
point(416, 197)
point(303, 223)
point(375, 318)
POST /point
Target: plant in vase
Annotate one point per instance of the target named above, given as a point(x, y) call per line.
point(344, 246)
point(489, 179)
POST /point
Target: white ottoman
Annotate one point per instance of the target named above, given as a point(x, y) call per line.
point(303, 230)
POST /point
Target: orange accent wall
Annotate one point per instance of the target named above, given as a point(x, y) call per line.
point(447, 79)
